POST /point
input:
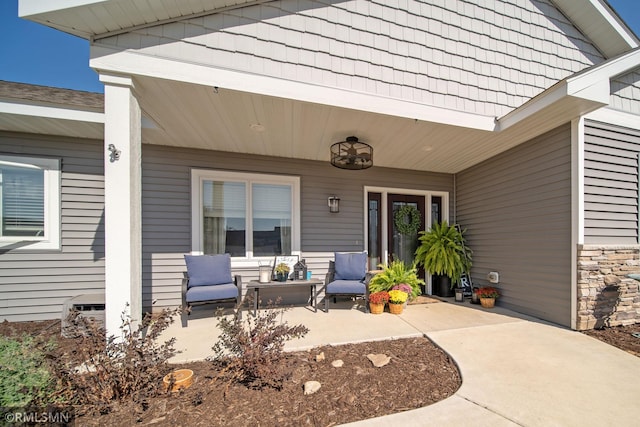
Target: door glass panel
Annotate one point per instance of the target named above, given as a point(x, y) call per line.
point(375, 227)
point(436, 209)
point(403, 245)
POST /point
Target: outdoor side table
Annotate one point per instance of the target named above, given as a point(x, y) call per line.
point(311, 283)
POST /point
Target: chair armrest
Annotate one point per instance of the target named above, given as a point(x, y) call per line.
point(185, 286)
point(237, 280)
point(329, 277)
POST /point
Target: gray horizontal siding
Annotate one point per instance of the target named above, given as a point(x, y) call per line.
point(611, 184)
point(517, 211)
point(484, 57)
point(35, 285)
point(166, 210)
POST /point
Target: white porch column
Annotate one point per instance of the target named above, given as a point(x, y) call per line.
point(122, 199)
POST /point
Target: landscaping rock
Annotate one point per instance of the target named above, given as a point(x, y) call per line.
point(337, 363)
point(379, 360)
point(311, 387)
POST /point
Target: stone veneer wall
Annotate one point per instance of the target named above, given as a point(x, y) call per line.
point(606, 295)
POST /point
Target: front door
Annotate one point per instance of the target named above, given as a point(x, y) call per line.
point(405, 216)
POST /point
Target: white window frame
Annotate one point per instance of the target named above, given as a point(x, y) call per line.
point(52, 218)
point(198, 176)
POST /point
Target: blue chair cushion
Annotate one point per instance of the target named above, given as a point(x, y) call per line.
point(207, 270)
point(346, 287)
point(350, 266)
point(209, 293)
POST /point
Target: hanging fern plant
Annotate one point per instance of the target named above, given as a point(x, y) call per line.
point(443, 251)
point(407, 220)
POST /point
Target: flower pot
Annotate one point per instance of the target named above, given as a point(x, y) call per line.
point(376, 308)
point(488, 302)
point(395, 308)
point(183, 378)
point(443, 286)
point(282, 277)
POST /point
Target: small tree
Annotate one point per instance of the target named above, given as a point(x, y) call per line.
point(251, 351)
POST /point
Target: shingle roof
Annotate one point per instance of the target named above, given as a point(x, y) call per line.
point(51, 95)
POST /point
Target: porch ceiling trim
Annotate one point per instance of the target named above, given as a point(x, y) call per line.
point(109, 60)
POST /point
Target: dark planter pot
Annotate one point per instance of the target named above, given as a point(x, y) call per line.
point(443, 286)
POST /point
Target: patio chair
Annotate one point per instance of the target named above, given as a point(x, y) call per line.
point(347, 276)
point(208, 280)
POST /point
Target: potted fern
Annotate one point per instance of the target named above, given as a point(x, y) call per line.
point(397, 273)
point(443, 252)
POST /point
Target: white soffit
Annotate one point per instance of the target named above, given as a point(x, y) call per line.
point(87, 18)
point(601, 24)
point(108, 60)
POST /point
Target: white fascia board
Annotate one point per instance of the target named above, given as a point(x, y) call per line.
point(107, 60)
point(592, 85)
point(51, 112)
point(614, 21)
point(28, 8)
point(615, 117)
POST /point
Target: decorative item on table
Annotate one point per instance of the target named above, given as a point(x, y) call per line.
point(264, 273)
point(488, 295)
point(282, 272)
point(289, 260)
point(300, 270)
point(377, 300)
point(397, 298)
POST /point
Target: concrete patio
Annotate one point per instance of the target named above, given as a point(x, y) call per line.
point(516, 370)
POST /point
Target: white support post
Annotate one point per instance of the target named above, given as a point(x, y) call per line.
point(123, 200)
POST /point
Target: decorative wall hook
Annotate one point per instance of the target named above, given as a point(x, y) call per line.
point(114, 153)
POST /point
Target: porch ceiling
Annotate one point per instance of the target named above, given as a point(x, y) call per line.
point(198, 116)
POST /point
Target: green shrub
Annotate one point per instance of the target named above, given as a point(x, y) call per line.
point(394, 274)
point(24, 375)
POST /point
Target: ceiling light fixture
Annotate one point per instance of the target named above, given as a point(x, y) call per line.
point(351, 154)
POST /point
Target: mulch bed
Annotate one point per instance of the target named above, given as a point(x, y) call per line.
point(419, 374)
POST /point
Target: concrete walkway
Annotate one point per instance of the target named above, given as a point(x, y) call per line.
point(516, 371)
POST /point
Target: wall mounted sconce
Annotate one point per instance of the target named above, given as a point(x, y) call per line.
point(114, 153)
point(334, 204)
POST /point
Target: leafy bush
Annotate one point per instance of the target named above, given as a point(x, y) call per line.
point(251, 351)
point(443, 251)
point(394, 274)
point(24, 376)
point(103, 370)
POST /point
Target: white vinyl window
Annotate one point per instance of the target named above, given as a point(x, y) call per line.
point(249, 216)
point(29, 203)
